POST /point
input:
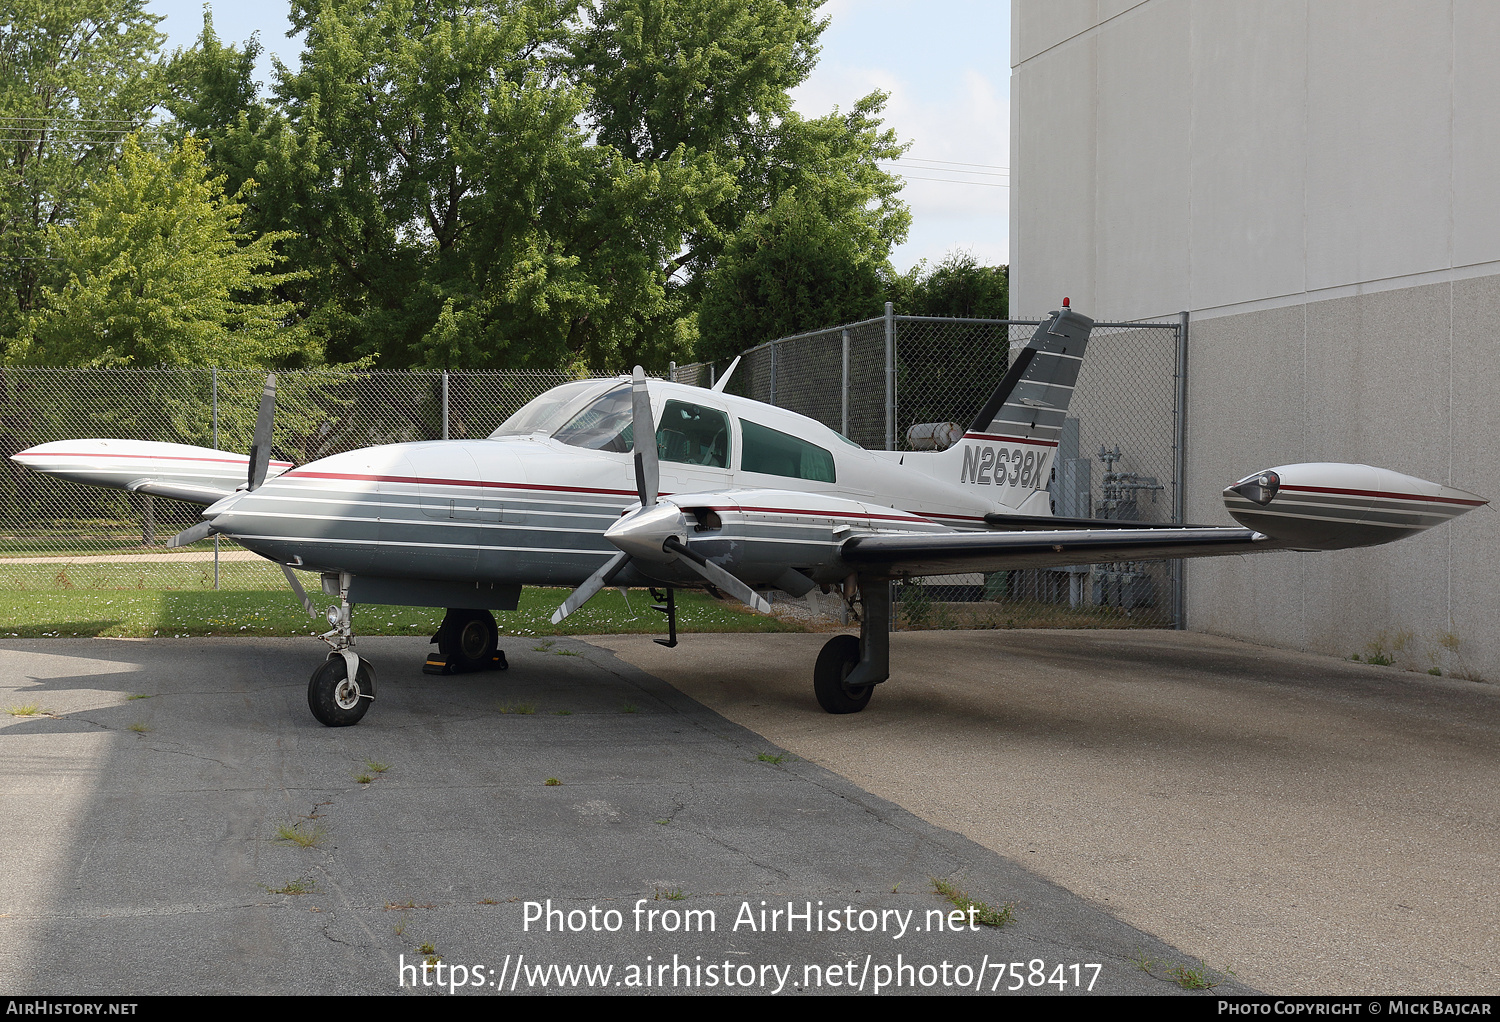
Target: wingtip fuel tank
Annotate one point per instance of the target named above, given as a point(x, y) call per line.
point(1332, 506)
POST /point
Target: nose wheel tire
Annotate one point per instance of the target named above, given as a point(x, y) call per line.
point(336, 700)
point(840, 655)
point(469, 638)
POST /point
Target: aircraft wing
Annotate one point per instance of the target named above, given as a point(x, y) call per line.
point(198, 475)
point(907, 556)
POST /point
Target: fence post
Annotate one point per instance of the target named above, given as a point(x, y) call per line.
point(890, 377)
point(1179, 469)
point(672, 371)
point(774, 349)
point(844, 418)
point(445, 404)
point(216, 447)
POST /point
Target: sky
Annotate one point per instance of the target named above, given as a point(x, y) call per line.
point(945, 64)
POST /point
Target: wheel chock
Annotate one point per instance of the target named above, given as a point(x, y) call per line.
point(438, 663)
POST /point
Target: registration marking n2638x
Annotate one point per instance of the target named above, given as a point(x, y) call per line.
point(991, 465)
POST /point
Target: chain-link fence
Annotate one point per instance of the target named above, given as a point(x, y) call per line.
point(56, 534)
point(1120, 455)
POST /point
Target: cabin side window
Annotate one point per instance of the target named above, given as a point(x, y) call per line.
point(780, 454)
point(693, 435)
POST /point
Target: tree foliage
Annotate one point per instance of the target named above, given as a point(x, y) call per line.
point(957, 286)
point(468, 183)
point(449, 205)
point(811, 218)
point(76, 77)
point(818, 256)
point(160, 274)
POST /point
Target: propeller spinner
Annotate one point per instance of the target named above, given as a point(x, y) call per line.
point(656, 532)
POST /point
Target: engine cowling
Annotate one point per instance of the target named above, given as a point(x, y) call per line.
point(1332, 506)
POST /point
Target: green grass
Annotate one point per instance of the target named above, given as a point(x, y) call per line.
point(273, 610)
point(295, 887)
point(297, 834)
point(983, 914)
point(27, 710)
point(1188, 977)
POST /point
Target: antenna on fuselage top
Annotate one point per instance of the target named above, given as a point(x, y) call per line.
point(718, 388)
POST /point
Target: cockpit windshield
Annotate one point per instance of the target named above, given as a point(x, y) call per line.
point(604, 424)
point(545, 414)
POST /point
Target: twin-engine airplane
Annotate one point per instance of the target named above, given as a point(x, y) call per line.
point(734, 496)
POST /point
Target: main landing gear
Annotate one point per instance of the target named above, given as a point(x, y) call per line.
point(849, 668)
point(467, 640)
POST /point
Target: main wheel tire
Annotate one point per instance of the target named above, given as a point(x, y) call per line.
point(840, 655)
point(333, 698)
point(469, 638)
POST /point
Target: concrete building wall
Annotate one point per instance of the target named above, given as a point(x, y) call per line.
point(1318, 183)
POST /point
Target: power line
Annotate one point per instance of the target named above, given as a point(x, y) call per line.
point(944, 170)
point(954, 181)
point(954, 163)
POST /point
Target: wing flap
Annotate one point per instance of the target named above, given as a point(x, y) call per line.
point(906, 556)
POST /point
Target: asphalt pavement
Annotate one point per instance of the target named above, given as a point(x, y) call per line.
point(1313, 825)
point(176, 822)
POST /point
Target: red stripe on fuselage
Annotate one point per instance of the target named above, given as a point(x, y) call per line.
point(423, 480)
point(300, 474)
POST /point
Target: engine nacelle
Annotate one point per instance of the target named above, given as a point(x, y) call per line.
point(1331, 506)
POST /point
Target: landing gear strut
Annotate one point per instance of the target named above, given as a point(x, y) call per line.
point(467, 641)
point(848, 669)
point(341, 689)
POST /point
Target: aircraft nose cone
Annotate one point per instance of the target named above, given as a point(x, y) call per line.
point(643, 533)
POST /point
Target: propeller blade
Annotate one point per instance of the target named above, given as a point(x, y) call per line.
point(307, 603)
point(647, 471)
point(192, 534)
point(717, 576)
point(260, 448)
point(595, 582)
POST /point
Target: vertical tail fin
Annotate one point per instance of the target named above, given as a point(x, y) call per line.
point(1009, 447)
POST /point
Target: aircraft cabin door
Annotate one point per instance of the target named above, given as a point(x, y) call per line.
point(693, 444)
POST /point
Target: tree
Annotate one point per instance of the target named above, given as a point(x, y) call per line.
point(158, 273)
point(938, 361)
point(788, 272)
point(448, 206)
point(713, 78)
point(76, 77)
point(210, 91)
point(534, 182)
point(957, 286)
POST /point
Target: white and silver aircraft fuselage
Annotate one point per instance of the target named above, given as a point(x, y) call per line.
point(734, 495)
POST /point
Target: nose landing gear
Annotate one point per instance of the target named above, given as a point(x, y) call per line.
point(343, 686)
